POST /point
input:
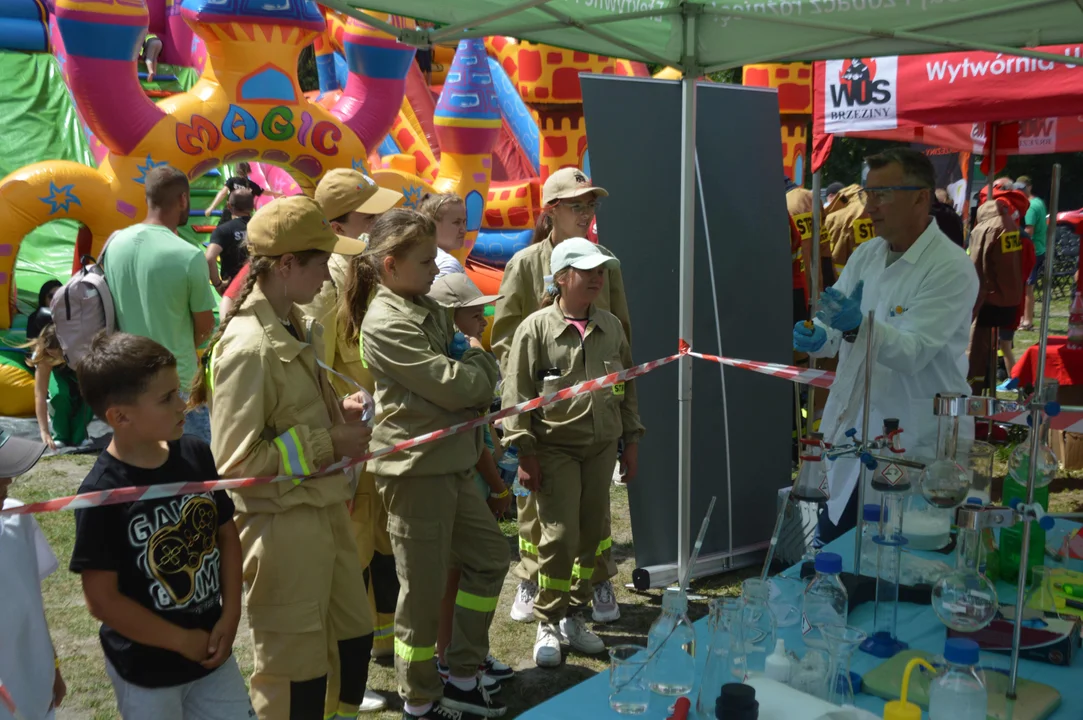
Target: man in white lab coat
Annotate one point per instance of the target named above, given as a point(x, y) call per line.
point(922, 288)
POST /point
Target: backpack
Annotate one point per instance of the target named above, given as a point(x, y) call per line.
point(82, 308)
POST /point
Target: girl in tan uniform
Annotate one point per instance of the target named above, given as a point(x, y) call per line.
point(570, 201)
point(435, 513)
point(567, 450)
point(273, 412)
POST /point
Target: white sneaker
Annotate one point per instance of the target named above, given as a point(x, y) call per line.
point(373, 702)
point(522, 610)
point(605, 604)
point(575, 633)
point(547, 646)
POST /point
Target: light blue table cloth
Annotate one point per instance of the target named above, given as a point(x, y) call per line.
point(917, 625)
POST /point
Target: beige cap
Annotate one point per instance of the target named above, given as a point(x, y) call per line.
point(344, 191)
point(456, 290)
point(569, 182)
point(294, 224)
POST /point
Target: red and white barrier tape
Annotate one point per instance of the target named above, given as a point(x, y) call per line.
point(154, 492)
point(804, 376)
point(9, 703)
point(1067, 421)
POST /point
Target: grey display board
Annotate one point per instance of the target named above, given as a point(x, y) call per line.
point(634, 127)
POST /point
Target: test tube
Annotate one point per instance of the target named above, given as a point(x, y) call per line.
point(884, 642)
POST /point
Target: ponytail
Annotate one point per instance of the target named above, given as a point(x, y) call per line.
point(552, 290)
point(544, 226)
point(199, 392)
point(362, 277)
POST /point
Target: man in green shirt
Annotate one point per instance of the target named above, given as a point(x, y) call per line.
point(1036, 228)
point(160, 283)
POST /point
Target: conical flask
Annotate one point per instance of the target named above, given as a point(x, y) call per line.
point(811, 484)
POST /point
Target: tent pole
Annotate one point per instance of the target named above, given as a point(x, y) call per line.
point(814, 261)
point(1036, 418)
point(688, 248)
point(813, 290)
point(991, 177)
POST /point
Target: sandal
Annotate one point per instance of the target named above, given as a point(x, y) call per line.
point(1028, 327)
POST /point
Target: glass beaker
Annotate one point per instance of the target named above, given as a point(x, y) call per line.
point(945, 484)
point(1040, 596)
point(965, 600)
point(723, 619)
point(841, 644)
point(979, 460)
point(757, 625)
point(628, 692)
point(671, 645)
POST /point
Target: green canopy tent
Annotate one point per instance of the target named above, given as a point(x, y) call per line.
point(702, 36)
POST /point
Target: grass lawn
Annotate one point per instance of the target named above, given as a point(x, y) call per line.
point(90, 694)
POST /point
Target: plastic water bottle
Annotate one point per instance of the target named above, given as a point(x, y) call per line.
point(509, 470)
point(959, 692)
point(825, 601)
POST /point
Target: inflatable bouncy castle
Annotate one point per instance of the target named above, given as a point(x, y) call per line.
point(490, 121)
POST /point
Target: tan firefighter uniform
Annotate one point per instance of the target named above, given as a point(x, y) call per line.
point(997, 253)
point(847, 224)
point(435, 513)
point(339, 192)
point(522, 287)
point(575, 442)
point(271, 410)
point(799, 204)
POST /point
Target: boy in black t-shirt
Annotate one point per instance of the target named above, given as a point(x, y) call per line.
point(228, 242)
point(163, 575)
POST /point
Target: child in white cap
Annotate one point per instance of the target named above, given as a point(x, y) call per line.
point(567, 450)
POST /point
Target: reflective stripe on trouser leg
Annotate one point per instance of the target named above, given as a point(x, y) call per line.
point(302, 589)
point(481, 552)
point(529, 534)
point(420, 517)
point(571, 512)
point(605, 567)
point(385, 581)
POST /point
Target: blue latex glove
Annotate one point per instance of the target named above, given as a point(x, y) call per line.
point(840, 312)
point(808, 339)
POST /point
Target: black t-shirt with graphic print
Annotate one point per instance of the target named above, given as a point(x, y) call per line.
point(164, 552)
point(231, 237)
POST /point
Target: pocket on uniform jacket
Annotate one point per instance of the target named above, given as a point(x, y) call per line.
point(293, 618)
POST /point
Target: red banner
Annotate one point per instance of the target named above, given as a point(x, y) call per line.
point(889, 93)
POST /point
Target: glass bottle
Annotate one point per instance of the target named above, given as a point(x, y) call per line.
point(1015, 488)
point(842, 641)
point(825, 601)
point(671, 647)
point(965, 600)
point(958, 692)
point(758, 625)
point(724, 614)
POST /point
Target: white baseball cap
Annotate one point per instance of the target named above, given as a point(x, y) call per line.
point(581, 254)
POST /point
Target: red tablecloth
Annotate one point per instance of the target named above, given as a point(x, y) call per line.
point(1063, 365)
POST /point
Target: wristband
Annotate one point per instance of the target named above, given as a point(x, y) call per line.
point(499, 496)
point(56, 661)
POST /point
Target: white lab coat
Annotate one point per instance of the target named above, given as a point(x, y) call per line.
point(923, 305)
